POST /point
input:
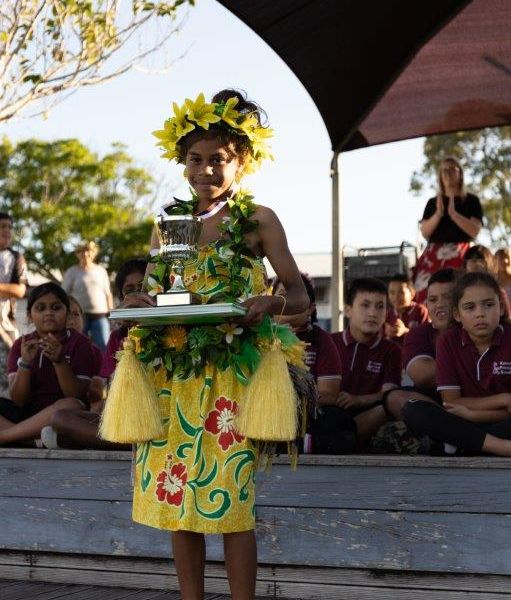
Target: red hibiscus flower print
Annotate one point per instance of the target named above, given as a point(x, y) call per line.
point(171, 484)
point(221, 421)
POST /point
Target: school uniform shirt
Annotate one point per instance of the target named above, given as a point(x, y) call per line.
point(113, 346)
point(44, 384)
point(461, 367)
point(321, 355)
point(419, 342)
point(366, 368)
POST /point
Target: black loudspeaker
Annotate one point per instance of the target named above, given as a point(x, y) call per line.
point(381, 263)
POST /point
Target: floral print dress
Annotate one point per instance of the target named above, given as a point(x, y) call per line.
point(200, 476)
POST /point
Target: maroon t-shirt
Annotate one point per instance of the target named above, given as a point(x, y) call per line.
point(114, 344)
point(366, 368)
point(461, 367)
point(321, 355)
point(44, 384)
point(419, 342)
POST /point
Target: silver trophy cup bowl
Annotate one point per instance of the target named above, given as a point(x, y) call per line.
point(179, 237)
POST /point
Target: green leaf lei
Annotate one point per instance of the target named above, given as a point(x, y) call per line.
point(184, 351)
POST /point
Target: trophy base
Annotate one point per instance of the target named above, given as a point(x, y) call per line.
point(177, 299)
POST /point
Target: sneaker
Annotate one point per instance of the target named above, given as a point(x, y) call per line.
point(49, 437)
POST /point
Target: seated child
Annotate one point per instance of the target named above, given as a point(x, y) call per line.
point(480, 258)
point(48, 370)
point(324, 363)
point(76, 321)
point(419, 347)
point(403, 314)
point(473, 374)
point(79, 428)
point(371, 364)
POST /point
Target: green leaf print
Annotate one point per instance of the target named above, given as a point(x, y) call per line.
point(220, 511)
point(181, 451)
point(247, 457)
point(209, 478)
point(143, 452)
point(185, 426)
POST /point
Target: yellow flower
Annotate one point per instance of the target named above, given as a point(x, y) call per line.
point(201, 112)
point(181, 124)
point(174, 337)
point(229, 115)
point(230, 330)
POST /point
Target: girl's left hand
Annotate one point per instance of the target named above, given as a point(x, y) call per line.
point(451, 210)
point(51, 347)
point(258, 307)
point(460, 411)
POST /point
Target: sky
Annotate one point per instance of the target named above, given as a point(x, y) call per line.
point(220, 51)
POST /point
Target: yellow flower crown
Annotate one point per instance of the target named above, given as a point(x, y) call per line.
point(199, 113)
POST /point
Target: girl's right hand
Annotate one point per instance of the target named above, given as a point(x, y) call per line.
point(439, 206)
point(29, 349)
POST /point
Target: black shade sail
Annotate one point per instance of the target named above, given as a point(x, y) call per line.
point(388, 70)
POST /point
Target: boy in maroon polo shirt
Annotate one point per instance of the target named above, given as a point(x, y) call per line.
point(371, 365)
point(403, 314)
point(473, 374)
point(419, 346)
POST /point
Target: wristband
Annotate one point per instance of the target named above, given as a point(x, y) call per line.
point(22, 364)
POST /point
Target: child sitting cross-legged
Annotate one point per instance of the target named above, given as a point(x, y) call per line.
point(473, 375)
point(371, 364)
point(48, 370)
point(73, 428)
point(332, 430)
point(419, 361)
point(403, 314)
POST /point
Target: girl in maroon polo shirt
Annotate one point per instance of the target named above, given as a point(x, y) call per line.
point(79, 428)
point(473, 374)
point(48, 369)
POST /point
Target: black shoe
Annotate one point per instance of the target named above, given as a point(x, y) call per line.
point(430, 447)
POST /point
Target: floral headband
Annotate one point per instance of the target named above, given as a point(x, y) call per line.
point(199, 113)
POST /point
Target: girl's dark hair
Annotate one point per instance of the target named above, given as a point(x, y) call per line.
point(476, 278)
point(309, 288)
point(73, 299)
point(47, 288)
point(134, 265)
point(219, 131)
point(480, 252)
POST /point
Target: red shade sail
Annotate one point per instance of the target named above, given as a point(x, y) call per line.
point(387, 71)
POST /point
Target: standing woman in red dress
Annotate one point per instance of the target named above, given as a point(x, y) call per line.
point(451, 220)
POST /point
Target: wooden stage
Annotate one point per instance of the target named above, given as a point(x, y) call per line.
point(23, 590)
point(346, 527)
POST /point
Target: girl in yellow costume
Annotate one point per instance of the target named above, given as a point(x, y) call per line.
point(200, 477)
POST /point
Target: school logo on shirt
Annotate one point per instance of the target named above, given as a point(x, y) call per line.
point(502, 367)
point(374, 367)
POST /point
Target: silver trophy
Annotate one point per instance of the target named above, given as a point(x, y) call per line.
point(179, 237)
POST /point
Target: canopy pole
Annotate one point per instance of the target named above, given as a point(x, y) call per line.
point(337, 280)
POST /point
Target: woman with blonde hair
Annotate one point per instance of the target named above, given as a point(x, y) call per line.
point(451, 220)
point(89, 283)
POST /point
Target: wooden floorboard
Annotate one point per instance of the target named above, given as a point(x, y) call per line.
point(28, 590)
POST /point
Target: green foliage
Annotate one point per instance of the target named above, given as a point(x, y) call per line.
point(60, 193)
point(485, 155)
point(49, 47)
